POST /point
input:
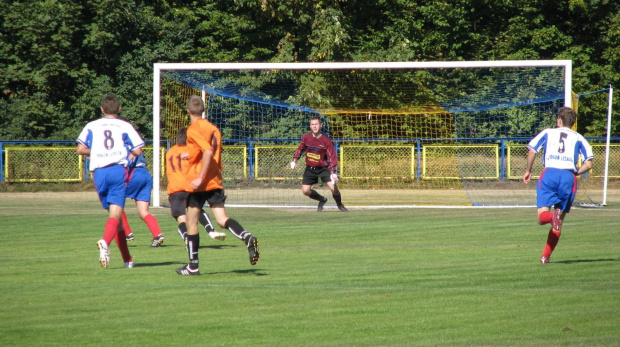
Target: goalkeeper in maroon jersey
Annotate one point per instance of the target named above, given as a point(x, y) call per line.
point(321, 162)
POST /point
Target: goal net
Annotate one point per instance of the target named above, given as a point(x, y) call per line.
point(406, 134)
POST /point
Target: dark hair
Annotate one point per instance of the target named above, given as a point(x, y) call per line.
point(110, 104)
point(182, 137)
point(195, 105)
point(568, 116)
point(317, 118)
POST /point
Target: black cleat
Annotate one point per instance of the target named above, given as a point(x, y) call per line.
point(321, 204)
point(253, 250)
point(186, 271)
point(129, 237)
point(342, 208)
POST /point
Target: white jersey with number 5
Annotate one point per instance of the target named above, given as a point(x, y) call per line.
point(562, 148)
point(109, 140)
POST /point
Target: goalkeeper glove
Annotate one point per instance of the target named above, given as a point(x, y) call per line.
point(334, 178)
point(293, 164)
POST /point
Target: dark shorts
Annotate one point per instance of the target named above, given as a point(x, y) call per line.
point(211, 197)
point(177, 203)
point(312, 175)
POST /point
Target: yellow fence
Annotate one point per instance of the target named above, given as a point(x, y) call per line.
point(357, 162)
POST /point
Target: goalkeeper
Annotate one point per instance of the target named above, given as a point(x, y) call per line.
point(321, 162)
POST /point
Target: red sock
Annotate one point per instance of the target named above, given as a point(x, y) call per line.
point(151, 222)
point(121, 242)
point(126, 226)
point(545, 217)
point(552, 241)
point(109, 232)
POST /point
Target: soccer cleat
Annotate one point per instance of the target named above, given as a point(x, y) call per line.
point(129, 237)
point(342, 208)
point(253, 250)
point(217, 235)
point(186, 271)
point(104, 255)
point(321, 204)
point(157, 241)
point(545, 260)
point(556, 222)
point(129, 264)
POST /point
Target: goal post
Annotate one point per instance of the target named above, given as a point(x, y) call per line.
point(374, 104)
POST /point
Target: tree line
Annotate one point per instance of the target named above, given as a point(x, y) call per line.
point(59, 57)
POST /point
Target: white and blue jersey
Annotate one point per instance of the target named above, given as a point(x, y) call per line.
point(109, 140)
point(562, 150)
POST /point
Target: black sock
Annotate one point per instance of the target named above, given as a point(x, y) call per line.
point(182, 230)
point(205, 221)
point(193, 243)
point(316, 196)
point(237, 230)
point(337, 197)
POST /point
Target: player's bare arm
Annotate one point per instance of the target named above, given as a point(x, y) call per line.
point(83, 150)
point(527, 176)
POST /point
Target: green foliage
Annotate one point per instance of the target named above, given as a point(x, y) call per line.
point(58, 57)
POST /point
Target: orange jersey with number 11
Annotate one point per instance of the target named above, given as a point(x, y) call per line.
point(176, 169)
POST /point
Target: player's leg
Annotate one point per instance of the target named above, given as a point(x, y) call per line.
point(121, 242)
point(110, 184)
point(195, 201)
point(336, 195)
point(309, 179)
point(251, 242)
point(205, 221)
point(151, 222)
point(177, 210)
point(566, 191)
point(126, 228)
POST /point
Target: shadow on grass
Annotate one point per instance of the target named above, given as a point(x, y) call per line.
point(584, 261)
point(253, 271)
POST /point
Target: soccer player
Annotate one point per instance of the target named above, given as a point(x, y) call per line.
point(106, 141)
point(139, 188)
point(321, 162)
point(557, 185)
point(177, 166)
point(205, 185)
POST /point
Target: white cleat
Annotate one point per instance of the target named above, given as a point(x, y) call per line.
point(104, 255)
point(129, 264)
point(217, 235)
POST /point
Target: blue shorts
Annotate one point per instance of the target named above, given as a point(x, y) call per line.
point(557, 188)
point(139, 184)
point(110, 185)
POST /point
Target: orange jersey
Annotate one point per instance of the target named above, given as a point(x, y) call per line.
point(202, 136)
point(176, 169)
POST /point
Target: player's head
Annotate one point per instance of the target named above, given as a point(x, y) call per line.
point(568, 116)
point(195, 106)
point(315, 125)
point(110, 104)
point(182, 137)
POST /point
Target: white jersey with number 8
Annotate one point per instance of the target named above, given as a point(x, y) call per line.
point(562, 148)
point(109, 140)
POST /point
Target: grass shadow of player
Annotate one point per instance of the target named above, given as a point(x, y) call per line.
point(584, 261)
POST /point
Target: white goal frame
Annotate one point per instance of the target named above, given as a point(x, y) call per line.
point(159, 67)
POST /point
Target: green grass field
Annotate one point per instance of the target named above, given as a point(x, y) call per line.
point(391, 277)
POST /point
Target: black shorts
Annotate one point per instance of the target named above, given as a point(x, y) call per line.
point(211, 197)
point(177, 204)
point(312, 175)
